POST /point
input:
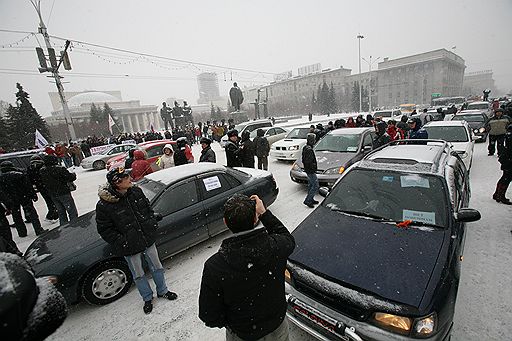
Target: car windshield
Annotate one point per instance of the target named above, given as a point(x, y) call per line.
point(478, 106)
point(298, 133)
point(150, 188)
point(390, 195)
point(384, 113)
point(339, 143)
point(254, 133)
point(449, 134)
point(469, 118)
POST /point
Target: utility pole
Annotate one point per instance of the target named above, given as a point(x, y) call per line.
point(370, 63)
point(359, 37)
point(54, 69)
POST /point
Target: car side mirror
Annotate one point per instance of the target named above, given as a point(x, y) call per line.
point(323, 191)
point(367, 148)
point(158, 216)
point(466, 215)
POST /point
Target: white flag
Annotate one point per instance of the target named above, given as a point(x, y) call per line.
point(111, 123)
point(40, 140)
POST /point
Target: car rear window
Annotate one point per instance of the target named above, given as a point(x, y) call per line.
point(469, 118)
point(394, 196)
point(449, 134)
point(150, 188)
point(298, 133)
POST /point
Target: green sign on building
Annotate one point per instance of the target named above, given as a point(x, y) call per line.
point(436, 95)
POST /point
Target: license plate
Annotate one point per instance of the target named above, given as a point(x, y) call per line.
point(320, 319)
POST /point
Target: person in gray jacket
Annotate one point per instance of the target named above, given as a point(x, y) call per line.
point(207, 153)
point(497, 128)
point(262, 149)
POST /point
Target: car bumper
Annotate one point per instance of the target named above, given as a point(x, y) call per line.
point(285, 155)
point(324, 179)
point(347, 329)
point(86, 165)
point(480, 137)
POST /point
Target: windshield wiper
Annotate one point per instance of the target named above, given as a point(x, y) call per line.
point(421, 223)
point(362, 214)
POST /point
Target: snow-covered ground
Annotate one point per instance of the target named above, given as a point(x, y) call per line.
point(483, 310)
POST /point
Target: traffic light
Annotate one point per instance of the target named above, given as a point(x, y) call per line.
point(53, 58)
point(42, 58)
point(64, 57)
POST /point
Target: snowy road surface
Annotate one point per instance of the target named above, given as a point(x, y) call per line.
point(483, 310)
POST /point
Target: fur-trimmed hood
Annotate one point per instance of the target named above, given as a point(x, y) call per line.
point(108, 194)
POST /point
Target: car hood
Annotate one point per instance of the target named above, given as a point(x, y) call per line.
point(476, 125)
point(62, 242)
point(326, 160)
point(369, 256)
point(461, 146)
point(289, 142)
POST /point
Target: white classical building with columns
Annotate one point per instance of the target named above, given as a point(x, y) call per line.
point(133, 116)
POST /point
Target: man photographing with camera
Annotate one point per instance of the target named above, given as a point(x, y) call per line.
point(242, 287)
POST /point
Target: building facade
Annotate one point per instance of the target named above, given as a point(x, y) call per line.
point(476, 82)
point(208, 86)
point(411, 79)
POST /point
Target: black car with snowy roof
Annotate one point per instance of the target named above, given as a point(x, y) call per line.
point(379, 259)
point(188, 200)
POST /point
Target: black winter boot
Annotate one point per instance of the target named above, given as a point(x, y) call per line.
point(148, 307)
point(496, 195)
point(503, 199)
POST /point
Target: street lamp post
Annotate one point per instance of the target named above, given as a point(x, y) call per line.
point(359, 37)
point(370, 63)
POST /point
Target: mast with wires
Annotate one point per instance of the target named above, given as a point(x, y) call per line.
point(54, 67)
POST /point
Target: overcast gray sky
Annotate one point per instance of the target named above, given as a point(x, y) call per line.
point(267, 36)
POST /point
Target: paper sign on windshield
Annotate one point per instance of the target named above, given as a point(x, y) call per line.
point(424, 217)
point(212, 183)
point(351, 149)
point(414, 181)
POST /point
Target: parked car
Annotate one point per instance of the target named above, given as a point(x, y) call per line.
point(476, 120)
point(482, 106)
point(380, 257)
point(188, 199)
point(20, 159)
point(247, 126)
point(391, 114)
point(99, 161)
point(290, 148)
point(152, 149)
point(272, 134)
point(458, 133)
point(335, 152)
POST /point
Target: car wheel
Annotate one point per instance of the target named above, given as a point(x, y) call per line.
point(107, 282)
point(97, 165)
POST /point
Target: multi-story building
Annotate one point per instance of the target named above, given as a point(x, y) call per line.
point(476, 82)
point(208, 86)
point(411, 79)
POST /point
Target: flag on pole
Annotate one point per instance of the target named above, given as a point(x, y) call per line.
point(40, 140)
point(111, 123)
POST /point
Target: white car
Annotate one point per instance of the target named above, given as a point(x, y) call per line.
point(391, 114)
point(99, 161)
point(458, 134)
point(247, 126)
point(273, 134)
point(290, 148)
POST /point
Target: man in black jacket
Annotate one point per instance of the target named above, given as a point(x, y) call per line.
point(242, 287)
point(262, 148)
point(34, 174)
point(125, 220)
point(247, 150)
point(310, 168)
point(19, 192)
point(207, 153)
point(57, 180)
point(233, 151)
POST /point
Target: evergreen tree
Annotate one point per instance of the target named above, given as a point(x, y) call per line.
point(324, 98)
point(5, 143)
point(313, 103)
point(212, 109)
point(333, 106)
point(319, 99)
point(364, 96)
point(96, 114)
point(107, 111)
point(22, 122)
point(355, 97)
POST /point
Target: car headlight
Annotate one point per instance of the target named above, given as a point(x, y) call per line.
point(296, 167)
point(462, 154)
point(293, 148)
point(395, 323)
point(425, 326)
point(336, 170)
point(481, 130)
point(51, 279)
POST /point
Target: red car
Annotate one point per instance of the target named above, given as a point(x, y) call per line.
point(153, 150)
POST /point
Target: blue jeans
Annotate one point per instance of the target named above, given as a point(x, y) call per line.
point(156, 268)
point(65, 205)
point(312, 188)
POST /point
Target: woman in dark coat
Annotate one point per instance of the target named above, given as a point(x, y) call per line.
point(506, 166)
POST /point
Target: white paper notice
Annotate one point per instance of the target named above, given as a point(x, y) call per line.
point(212, 183)
point(424, 217)
point(414, 181)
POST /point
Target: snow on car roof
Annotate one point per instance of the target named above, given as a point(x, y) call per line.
point(349, 131)
point(444, 123)
point(167, 176)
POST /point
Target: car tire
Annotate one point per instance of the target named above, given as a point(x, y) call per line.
point(97, 165)
point(106, 282)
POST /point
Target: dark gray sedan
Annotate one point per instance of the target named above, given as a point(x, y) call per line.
point(188, 200)
point(335, 152)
